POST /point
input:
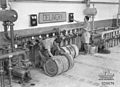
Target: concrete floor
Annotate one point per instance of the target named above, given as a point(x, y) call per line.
point(85, 72)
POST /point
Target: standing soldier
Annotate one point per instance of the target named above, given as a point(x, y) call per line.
point(86, 34)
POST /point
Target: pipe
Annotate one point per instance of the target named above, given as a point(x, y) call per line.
point(6, 56)
point(8, 17)
point(6, 31)
point(52, 1)
point(10, 71)
point(115, 3)
point(87, 3)
point(66, 1)
point(12, 35)
point(2, 73)
point(3, 4)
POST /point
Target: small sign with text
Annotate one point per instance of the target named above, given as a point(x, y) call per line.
point(51, 17)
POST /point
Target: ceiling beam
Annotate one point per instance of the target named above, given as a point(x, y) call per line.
point(75, 2)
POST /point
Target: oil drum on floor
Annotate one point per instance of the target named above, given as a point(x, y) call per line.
point(76, 49)
point(58, 65)
point(71, 49)
point(70, 60)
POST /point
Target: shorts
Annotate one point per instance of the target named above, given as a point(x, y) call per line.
point(86, 37)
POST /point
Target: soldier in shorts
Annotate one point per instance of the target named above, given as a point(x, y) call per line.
point(86, 34)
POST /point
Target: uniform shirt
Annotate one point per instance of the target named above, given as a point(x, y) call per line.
point(48, 43)
point(86, 34)
point(87, 26)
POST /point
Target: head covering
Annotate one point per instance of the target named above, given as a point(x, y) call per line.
point(87, 18)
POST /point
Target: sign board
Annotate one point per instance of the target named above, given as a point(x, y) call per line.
point(51, 17)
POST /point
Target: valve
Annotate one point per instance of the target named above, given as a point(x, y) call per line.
point(77, 31)
point(40, 36)
point(74, 33)
point(66, 33)
point(47, 35)
point(62, 34)
point(71, 32)
point(33, 38)
point(53, 34)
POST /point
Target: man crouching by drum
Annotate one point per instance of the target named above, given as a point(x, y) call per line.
point(86, 35)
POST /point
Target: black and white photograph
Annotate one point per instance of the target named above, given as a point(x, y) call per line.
point(59, 43)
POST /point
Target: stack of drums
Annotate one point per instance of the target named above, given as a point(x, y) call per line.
point(71, 49)
point(112, 38)
point(58, 64)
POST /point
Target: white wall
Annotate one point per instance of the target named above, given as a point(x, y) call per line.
point(24, 9)
point(106, 11)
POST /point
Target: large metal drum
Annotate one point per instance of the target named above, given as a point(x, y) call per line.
point(65, 62)
point(68, 50)
point(56, 65)
point(76, 49)
point(50, 67)
point(70, 59)
point(64, 49)
point(71, 50)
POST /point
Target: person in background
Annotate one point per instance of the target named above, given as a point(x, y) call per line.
point(86, 34)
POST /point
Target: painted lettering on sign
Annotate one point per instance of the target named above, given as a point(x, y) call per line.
point(51, 17)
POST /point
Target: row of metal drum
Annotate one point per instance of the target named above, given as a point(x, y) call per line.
point(112, 42)
point(73, 40)
point(62, 62)
point(112, 38)
point(111, 34)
